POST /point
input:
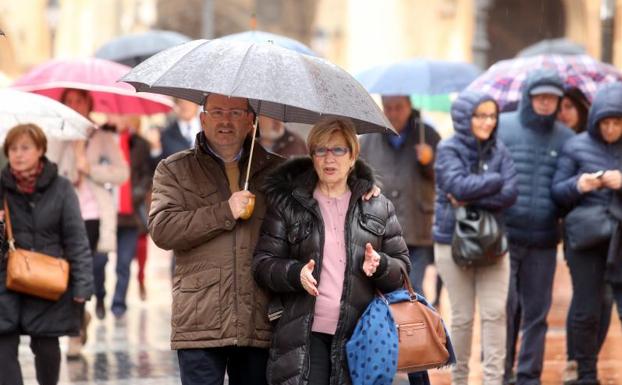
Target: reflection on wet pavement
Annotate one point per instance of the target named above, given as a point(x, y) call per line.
point(136, 350)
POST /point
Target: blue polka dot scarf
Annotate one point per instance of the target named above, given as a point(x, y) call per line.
point(372, 349)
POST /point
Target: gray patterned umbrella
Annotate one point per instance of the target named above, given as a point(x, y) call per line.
point(280, 83)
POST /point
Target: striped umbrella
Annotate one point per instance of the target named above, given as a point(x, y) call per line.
point(503, 80)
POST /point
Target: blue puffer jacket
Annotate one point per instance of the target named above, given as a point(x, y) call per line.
point(535, 142)
point(588, 152)
point(457, 162)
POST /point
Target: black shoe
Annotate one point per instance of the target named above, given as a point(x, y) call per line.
point(100, 309)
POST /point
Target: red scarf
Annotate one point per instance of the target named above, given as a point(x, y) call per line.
point(125, 191)
point(26, 180)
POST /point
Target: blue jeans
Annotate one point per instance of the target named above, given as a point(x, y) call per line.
point(244, 365)
point(99, 274)
point(126, 250)
point(420, 258)
point(529, 301)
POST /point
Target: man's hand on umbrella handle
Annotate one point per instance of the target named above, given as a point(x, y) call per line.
point(371, 261)
point(306, 278)
point(238, 202)
point(425, 153)
point(373, 193)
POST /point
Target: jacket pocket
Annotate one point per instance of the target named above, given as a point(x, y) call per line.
point(373, 224)
point(197, 303)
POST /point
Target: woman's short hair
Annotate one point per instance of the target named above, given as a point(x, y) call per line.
point(322, 130)
point(33, 131)
point(83, 93)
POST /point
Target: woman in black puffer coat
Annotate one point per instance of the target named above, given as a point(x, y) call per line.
point(45, 216)
point(325, 252)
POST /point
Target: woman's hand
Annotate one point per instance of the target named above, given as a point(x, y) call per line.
point(454, 202)
point(306, 278)
point(373, 193)
point(589, 182)
point(612, 179)
point(372, 260)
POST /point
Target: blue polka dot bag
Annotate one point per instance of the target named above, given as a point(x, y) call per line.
point(372, 351)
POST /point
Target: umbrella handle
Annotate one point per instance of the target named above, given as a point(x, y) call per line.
point(421, 131)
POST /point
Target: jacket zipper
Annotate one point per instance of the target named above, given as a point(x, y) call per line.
point(320, 256)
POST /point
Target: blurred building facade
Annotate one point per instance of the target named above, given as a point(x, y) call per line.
point(352, 33)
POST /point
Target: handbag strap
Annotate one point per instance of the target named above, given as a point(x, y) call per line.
point(407, 285)
point(9, 228)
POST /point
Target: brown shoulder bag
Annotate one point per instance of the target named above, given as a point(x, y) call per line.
point(33, 273)
point(421, 335)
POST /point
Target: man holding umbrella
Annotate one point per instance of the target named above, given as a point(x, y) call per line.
point(405, 166)
point(219, 314)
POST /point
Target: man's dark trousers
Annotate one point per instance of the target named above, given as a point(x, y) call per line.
point(244, 365)
point(529, 301)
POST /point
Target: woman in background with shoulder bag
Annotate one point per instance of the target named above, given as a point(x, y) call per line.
point(473, 169)
point(587, 178)
point(45, 218)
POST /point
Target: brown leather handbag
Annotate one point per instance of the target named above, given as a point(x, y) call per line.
point(33, 273)
point(421, 335)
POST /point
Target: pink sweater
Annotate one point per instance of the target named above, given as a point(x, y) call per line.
point(327, 304)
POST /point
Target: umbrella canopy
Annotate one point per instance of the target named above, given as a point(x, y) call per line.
point(133, 49)
point(503, 81)
point(55, 119)
point(418, 76)
point(266, 37)
point(561, 46)
point(97, 76)
point(280, 83)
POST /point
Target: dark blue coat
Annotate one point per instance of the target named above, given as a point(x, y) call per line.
point(588, 153)
point(535, 142)
point(457, 164)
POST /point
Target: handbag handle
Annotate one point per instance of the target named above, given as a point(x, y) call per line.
point(406, 285)
point(9, 228)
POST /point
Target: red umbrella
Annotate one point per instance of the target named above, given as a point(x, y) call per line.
point(97, 76)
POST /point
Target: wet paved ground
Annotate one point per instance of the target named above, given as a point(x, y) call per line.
point(136, 351)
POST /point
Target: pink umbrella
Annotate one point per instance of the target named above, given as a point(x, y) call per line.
point(97, 76)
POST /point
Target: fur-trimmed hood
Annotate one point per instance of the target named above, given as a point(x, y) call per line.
point(298, 175)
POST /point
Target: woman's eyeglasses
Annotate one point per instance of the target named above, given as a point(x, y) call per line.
point(336, 151)
point(484, 117)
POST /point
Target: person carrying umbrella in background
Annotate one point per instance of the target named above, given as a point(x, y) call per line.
point(534, 139)
point(96, 164)
point(132, 216)
point(405, 165)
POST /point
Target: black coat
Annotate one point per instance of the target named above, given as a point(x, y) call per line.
point(47, 221)
point(292, 234)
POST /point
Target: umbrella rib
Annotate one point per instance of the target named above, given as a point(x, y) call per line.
point(174, 64)
point(238, 74)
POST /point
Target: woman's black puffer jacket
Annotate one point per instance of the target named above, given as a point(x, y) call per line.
point(292, 234)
